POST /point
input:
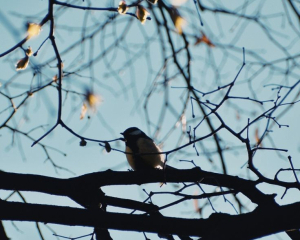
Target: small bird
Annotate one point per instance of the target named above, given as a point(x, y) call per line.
point(137, 143)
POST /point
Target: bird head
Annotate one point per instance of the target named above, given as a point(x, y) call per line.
point(133, 133)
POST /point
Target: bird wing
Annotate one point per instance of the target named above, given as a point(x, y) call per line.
point(148, 146)
point(130, 158)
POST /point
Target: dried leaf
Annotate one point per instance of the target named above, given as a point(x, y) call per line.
point(61, 64)
point(196, 203)
point(28, 51)
point(205, 40)
point(122, 9)
point(83, 111)
point(183, 123)
point(22, 63)
point(91, 102)
point(257, 139)
point(142, 14)
point(55, 78)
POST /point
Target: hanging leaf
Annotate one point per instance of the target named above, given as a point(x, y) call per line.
point(142, 14)
point(22, 63)
point(28, 51)
point(91, 102)
point(122, 9)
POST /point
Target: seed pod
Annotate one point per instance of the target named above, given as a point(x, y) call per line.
point(107, 147)
point(82, 143)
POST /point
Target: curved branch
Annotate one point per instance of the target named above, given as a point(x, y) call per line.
point(265, 221)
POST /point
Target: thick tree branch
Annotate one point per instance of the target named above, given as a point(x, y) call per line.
point(2, 232)
point(78, 187)
point(265, 221)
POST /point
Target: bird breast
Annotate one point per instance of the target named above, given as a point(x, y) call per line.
point(145, 161)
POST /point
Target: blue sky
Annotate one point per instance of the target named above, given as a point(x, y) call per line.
point(123, 95)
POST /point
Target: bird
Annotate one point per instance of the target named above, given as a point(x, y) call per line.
point(137, 143)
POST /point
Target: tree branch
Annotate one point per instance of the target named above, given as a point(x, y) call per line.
point(90, 183)
point(265, 221)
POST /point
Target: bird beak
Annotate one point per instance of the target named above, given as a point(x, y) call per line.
point(123, 139)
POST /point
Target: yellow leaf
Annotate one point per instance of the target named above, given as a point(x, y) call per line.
point(178, 21)
point(33, 30)
point(91, 102)
point(22, 63)
point(93, 99)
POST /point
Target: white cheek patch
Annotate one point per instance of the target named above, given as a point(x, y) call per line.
point(136, 132)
